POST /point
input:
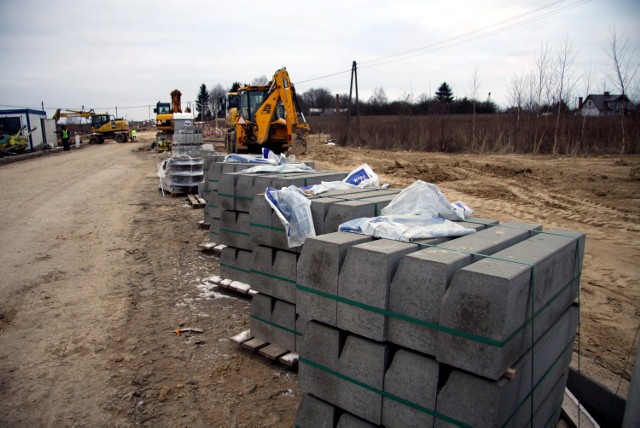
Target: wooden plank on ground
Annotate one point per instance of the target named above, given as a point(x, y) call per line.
point(254, 344)
point(196, 202)
point(273, 352)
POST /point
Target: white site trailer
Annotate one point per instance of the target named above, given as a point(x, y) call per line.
point(25, 120)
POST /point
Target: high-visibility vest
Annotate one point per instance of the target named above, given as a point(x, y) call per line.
point(65, 133)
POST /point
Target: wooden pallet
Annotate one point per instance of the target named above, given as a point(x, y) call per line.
point(202, 225)
point(196, 201)
point(271, 351)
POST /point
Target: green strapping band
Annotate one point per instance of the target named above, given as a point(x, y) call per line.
point(566, 348)
point(272, 276)
point(225, 195)
point(281, 327)
point(213, 181)
point(211, 232)
point(212, 205)
point(432, 325)
point(234, 231)
point(235, 267)
point(383, 393)
point(266, 226)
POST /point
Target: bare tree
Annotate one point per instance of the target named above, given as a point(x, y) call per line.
point(516, 90)
point(564, 82)
point(216, 98)
point(260, 81)
point(540, 85)
point(624, 62)
point(587, 82)
point(474, 87)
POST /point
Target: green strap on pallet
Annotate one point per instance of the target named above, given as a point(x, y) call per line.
point(235, 267)
point(281, 327)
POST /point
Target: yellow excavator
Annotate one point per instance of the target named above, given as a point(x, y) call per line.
point(103, 125)
point(268, 116)
point(164, 120)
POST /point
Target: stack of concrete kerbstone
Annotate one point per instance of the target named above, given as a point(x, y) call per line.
point(420, 334)
point(274, 273)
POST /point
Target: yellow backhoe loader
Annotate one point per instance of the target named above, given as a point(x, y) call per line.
point(268, 116)
point(103, 125)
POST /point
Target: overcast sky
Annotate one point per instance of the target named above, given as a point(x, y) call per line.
point(130, 54)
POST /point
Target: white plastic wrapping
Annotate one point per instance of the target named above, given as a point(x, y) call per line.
point(294, 210)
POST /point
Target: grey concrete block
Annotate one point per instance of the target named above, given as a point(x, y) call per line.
point(320, 347)
point(260, 318)
point(491, 300)
point(423, 277)
point(364, 361)
point(348, 210)
point(234, 229)
point(347, 420)
point(301, 326)
point(283, 328)
point(483, 402)
point(316, 413)
point(366, 274)
point(318, 271)
point(214, 230)
point(235, 264)
point(274, 272)
point(412, 377)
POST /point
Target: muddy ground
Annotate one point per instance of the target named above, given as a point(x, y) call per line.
point(99, 269)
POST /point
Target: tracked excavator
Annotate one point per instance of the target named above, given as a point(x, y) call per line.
point(268, 116)
point(103, 125)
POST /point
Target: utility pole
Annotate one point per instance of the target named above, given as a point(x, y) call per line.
point(354, 77)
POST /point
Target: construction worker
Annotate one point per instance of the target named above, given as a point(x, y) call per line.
point(64, 135)
point(134, 135)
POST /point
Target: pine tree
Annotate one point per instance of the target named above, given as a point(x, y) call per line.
point(444, 94)
point(202, 103)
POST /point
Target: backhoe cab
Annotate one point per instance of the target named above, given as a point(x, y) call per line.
point(268, 116)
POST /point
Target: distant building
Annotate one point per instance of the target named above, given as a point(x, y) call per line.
point(33, 123)
point(606, 105)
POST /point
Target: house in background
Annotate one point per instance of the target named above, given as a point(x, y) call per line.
point(605, 105)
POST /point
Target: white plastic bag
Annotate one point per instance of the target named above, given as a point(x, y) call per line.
point(294, 210)
point(422, 198)
point(360, 178)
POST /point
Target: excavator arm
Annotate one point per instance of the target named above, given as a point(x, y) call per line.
point(281, 90)
point(72, 113)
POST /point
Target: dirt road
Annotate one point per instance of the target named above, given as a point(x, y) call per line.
point(98, 269)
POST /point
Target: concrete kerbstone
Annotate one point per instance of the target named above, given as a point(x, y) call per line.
point(366, 273)
point(316, 413)
point(319, 269)
point(283, 317)
point(482, 402)
point(234, 230)
point(412, 377)
point(491, 299)
point(423, 277)
point(235, 264)
point(260, 309)
point(274, 272)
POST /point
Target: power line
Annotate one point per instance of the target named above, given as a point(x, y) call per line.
point(470, 36)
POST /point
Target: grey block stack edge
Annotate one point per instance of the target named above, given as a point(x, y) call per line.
point(421, 334)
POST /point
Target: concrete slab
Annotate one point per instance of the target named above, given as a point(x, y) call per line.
point(214, 230)
point(423, 277)
point(318, 272)
point(365, 276)
point(412, 377)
